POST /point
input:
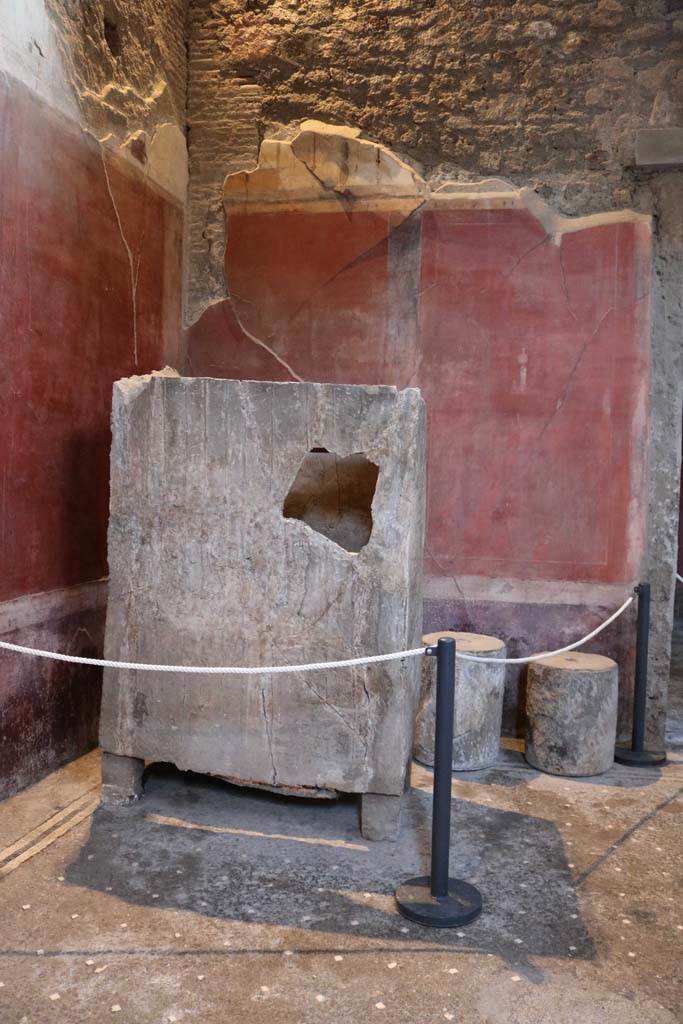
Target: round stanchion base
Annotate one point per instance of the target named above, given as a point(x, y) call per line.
point(461, 906)
point(639, 758)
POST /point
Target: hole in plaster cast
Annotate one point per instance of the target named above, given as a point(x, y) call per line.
point(112, 36)
point(333, 496)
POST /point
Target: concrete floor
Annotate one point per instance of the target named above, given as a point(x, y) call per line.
point(208, 903)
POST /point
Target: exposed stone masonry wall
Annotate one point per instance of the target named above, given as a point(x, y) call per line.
point(224, 113)
point(126, 61)
point(117, 67)
point(543, 94)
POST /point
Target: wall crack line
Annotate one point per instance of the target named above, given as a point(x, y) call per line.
point(262, 344)
point(133, 267)
point(572, 373)
point(451, 577)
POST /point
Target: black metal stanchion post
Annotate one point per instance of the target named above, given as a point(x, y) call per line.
point(636, 754)
point(438, 901)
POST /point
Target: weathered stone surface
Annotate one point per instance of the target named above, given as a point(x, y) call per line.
point(207, 569)
point(380, 816)
point(121, 778)
point(571, 705)
point(479, 690)
point(117, 67)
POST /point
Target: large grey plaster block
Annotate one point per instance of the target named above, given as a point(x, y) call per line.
point(206, 569)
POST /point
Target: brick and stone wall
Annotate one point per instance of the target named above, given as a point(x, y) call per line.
point(546, 95)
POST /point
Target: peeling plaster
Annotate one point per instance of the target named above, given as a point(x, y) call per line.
point(327, 167)
point(342, 167)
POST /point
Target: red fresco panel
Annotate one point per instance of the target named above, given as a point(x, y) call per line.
point(67, 333)
point(538, 410)
point(313, 286)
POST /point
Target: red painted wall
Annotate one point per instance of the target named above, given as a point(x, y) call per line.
point(67, 332)
point(533, 358)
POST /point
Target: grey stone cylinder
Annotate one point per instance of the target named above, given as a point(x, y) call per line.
point(478, 714)
point(571, 709)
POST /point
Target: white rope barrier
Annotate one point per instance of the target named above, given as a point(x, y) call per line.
point(679, 577)
point(216, 670)
point(316, 666)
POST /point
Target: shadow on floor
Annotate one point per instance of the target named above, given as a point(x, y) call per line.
point(199, 844)
point(512, 770)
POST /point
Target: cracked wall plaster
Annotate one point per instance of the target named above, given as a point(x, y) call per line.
point(330, 309)
point(90, 279)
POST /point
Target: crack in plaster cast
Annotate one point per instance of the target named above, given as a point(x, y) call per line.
point(537, 245)
point(565, 286)
point(356, 261)
point(329, 604)
point(345, 193)
point(508, 273)
point(342, 198)
point(337, 712)
point(262, 344)
point(269, 736)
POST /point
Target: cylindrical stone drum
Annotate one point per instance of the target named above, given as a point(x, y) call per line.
point(571, 710)
point(479, 690)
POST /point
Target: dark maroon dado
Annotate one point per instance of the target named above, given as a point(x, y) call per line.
point(50, 709)
point(74, 318)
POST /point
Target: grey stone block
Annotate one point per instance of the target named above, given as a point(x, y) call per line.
point(380, 816)
point(121, 778)
point(478, 713)
point(255, 523)
point(571, 706)
point(659, 147)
